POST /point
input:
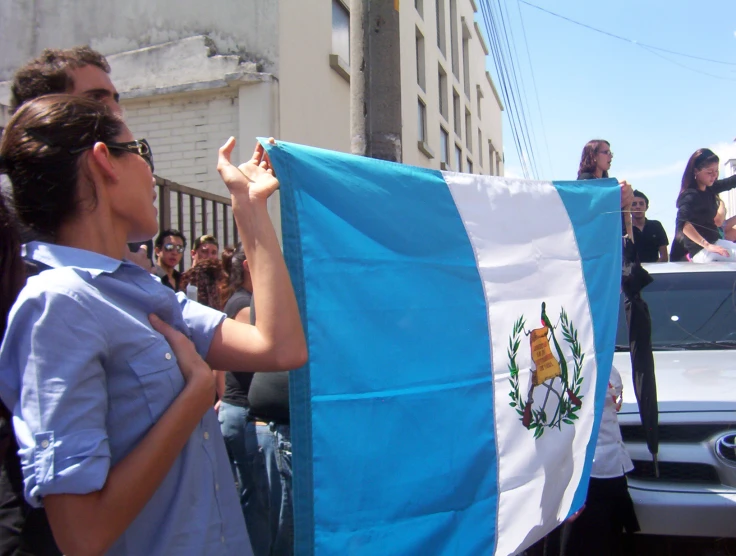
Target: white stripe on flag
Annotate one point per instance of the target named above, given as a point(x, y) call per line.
point(527, 254)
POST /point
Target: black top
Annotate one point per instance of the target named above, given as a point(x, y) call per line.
point(699, 208)
point(161, 273)
point(649, 239)
point(269, 394)
point(237, 384)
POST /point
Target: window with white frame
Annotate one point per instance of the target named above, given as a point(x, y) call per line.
point(341, 30)
point(456, 114)
point(440, 18)
point(458, 158)
point(421, 73)
point(422, 121)
point(444, 146)
point(442, 80)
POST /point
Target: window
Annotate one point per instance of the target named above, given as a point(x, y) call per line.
point(421, 80)
point(458, 158)
point(468, 131)
point(456, 113)
point(479, 152)
point(470, 166)
point(491, 159)
point(341, 30)
point(466, 59)
point(419, 5)
point(440, 7)
point(479, 96)
point(453, 39)
point(422, 121)
point(442, 80)
point(444, 146)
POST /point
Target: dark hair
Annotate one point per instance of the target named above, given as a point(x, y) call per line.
point(236, 274)
point(49, 73)
point(205, 239)
point(227, 258)
point(209, 278)
point(587, 159)
point(41, 150)
point(12, 269)
point(641, 195)
point(699, 160)
point(169, 233)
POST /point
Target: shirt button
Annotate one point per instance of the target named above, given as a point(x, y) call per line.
point(168, 356)
point(217, 486)
point(222, 539)
point(206, 436)
point(45, 444)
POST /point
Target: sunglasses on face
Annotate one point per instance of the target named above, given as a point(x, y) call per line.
point(138, 146)
point(173, 247)
point(606, 153)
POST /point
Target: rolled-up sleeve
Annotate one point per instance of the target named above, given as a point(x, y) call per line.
point(202, 322)
point(54, 351)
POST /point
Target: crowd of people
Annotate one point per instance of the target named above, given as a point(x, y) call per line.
point(164, 426)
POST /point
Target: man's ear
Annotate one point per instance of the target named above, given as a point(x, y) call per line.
point(246, 268)
point(100, 161)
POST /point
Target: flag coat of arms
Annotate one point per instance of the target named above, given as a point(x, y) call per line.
point(461, 332)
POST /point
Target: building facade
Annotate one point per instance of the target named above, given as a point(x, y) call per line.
point(191, 74)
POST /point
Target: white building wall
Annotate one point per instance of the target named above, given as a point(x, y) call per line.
point(185, 133)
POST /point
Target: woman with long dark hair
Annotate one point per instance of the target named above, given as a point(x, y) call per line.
point(697, 207)
point(102, 366)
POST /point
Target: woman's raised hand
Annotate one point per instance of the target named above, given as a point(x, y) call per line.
point(254, 179)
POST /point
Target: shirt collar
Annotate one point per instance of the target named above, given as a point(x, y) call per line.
point(57, 256)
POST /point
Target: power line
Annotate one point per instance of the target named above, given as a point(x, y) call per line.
point(536, 91)
point(503, 82)
point(632, 41)
point(530, 137)
point(505, 68)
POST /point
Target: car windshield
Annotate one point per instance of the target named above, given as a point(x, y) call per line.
point(692, 311)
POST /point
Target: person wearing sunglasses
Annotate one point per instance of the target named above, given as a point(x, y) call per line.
point(170, 245)
point(108, 373)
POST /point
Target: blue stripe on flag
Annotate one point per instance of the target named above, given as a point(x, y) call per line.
point(400, 449)
point(594, 208)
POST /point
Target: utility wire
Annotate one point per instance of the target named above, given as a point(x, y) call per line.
point(632, 41)
point(521, 91)
point(536, 90)
point(502, 77)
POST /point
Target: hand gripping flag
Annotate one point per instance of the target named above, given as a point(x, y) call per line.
point(461, 332)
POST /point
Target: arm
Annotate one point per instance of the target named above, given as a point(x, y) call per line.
point(90, 523)
point(276, 342)
point(719, 186)
point(693, 235)
point(663, 254)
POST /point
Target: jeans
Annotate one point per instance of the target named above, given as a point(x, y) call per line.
point(242, 448)
point(272, 479)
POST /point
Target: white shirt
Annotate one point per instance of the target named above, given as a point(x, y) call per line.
point(611, 458)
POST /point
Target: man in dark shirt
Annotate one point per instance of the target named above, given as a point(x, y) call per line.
point(650, 239)
point(170, 245)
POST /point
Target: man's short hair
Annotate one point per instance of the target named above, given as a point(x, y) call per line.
point(205, 239)
point(169, 233)
point(641, 195)
point(49, 73)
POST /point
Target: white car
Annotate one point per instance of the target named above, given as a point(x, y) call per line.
point(693, 310)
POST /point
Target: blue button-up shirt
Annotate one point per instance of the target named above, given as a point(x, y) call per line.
point(86, 377)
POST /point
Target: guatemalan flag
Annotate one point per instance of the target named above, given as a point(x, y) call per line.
point(461, 332)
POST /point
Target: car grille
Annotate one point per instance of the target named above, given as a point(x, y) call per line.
point(677, 433)
point(676, 472)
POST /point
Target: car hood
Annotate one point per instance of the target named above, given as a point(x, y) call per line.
point(686, 380)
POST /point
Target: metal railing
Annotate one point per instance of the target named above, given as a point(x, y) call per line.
point(195, 213)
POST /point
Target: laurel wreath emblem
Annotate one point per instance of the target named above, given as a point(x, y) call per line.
point(567, 411)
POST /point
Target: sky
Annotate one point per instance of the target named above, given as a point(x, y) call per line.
point(654, 112)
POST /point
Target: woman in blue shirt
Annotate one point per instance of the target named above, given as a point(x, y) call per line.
point(119, 441)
